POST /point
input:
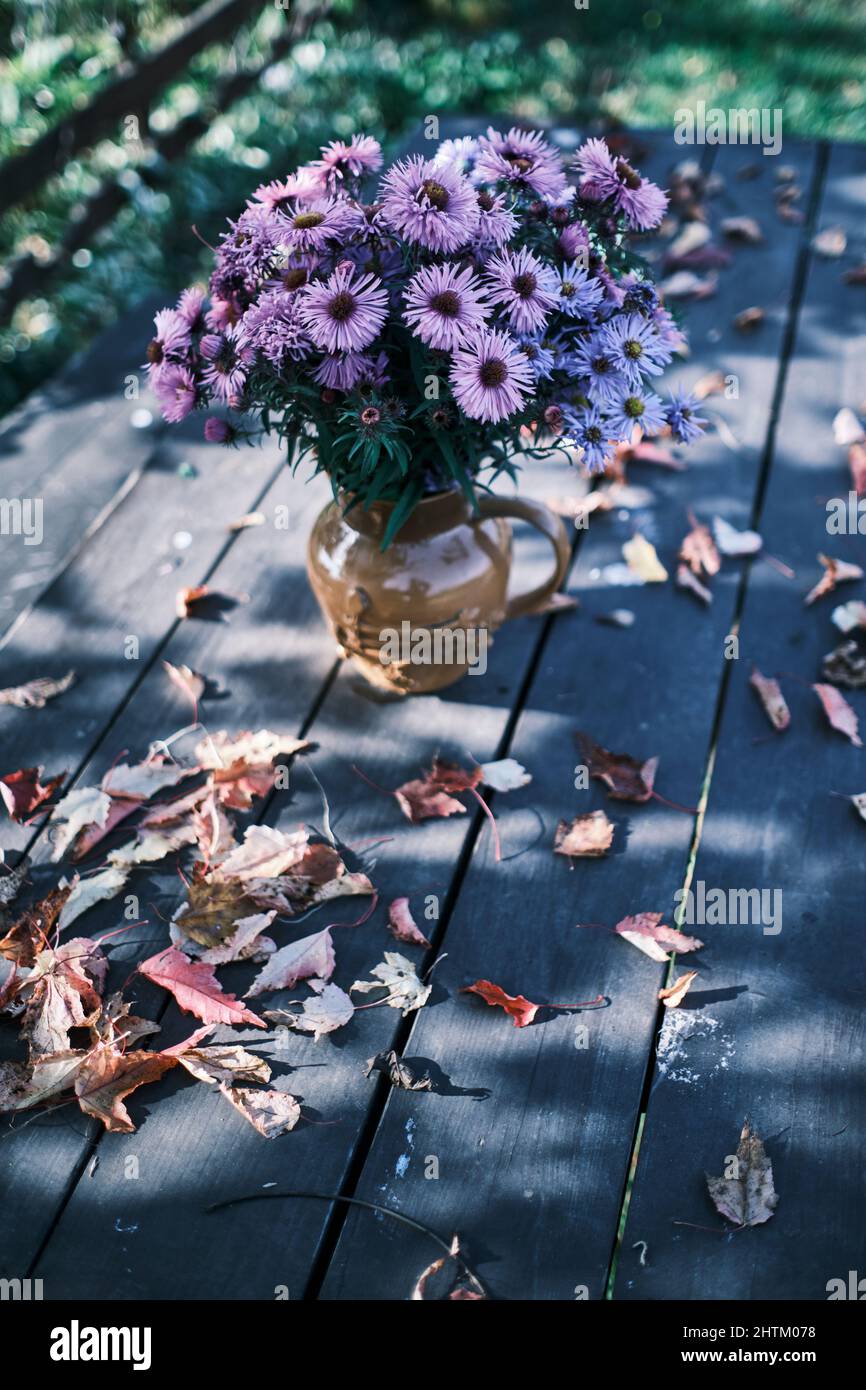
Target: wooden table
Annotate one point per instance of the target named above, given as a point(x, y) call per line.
point(570, 1154)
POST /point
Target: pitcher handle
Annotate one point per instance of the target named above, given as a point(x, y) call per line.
point(544, 520)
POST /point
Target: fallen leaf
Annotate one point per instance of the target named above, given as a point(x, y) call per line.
point(24, 1085)
point(188, 682)
point(698, 550)
point(245, 942)
point(732, 542)
point(397, 975)
point(748, 1199)
point(689, 581)
point(27, 936)
point(241, 764)
point(399, 1072)
point(839, 712)
point(712, 384)
point(626, 778)
point(323, 1013)
point(224, 1063)
point(849, 616)
point(195, 988)
point(429, 797)
point(249, 519)
point(300, 960)
point(86, 892)
point(139, 781)
point(36, 693)
point(857, 465)
point(684, 284)
point(830, 244)
point(617, 617)
point(62, 991)
point(506, 775)
point(859, 804)
point(106, 1077)
point(648, 933)
point(213, 908)
point(587, 836)
point(264, 853)
point(847, 428)
point(845, 665)
point(520, 1010)
point(640, 556)
point(269, 1112)
point(771, 697)
point(83, 807)
point(22, 791)
point(676, 993)
point(464, 1290)
point(747, 320)
point(744, 229)
point(186, 599)
point(403, 925)
point(835, 572)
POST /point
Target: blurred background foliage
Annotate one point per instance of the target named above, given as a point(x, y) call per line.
point(374, 66)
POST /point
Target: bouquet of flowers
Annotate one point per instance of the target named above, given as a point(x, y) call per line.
point(482, 308)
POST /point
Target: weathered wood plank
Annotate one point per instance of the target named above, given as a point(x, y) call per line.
point(269, 661)
point(191, 1152)
point(71, 451)
point(533, 1178)
point(775, 1029)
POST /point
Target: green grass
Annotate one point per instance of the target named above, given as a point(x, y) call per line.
point(381, 68)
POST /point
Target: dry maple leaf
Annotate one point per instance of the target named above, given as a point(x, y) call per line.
point(747, 1197)
point(403, 925)
point(269, 1112)
point(845, 665)
point(186, 599)
point(519, 1009)
point(835, 572)
point(467, 1289)
point(245, 942)
point(839, 713)
point(587, 836)
point(241, 765)
point(224, 1063)
point(674, 995)
point(106, 1077)
point(851, 616)
point(195, 988)
point(625, 777)
point(213, 908)
point(641, 558)
point(689, 581)
point(397, 975)
point(771, 697)
point(429, 797)
point(506, 775)
point(649, 934)
point(24, 1085)
point(747, 320)
point(187, 681)
point(330, 1008)
point(22, 791)
point(311, 957)
point(859, 803)
point(83, 807)
point(36, 693)
point(699, 551)
point(86, 892)
point(734, 543)
point(27, 936)
point(399, 1072)
point(264, 853)
point(62, 991)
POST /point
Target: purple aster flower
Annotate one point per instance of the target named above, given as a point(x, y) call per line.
point(668, 330)
point(279, 194)
point(634, 406)
point(490, 376)
point(309, 225)
point(342, 371)
point(190, 306)
point(641, 202)
point(590, 433)
point(273, 327)
point(523, 158)
point(496, 222)
point(345, 312)
point(247, 252)
point(429, 204)
point(539, 357)
point(443, 304)
point(579, 293)
point(635, 346)
point(456, 154)
point(574, 242)
point(362, 155)
point(683, 418)
point(524, 286)
point(175, 390)
point(222, 313)
point(591, 359)
point(219, 431)
point(170, 342)
point(228, 358)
